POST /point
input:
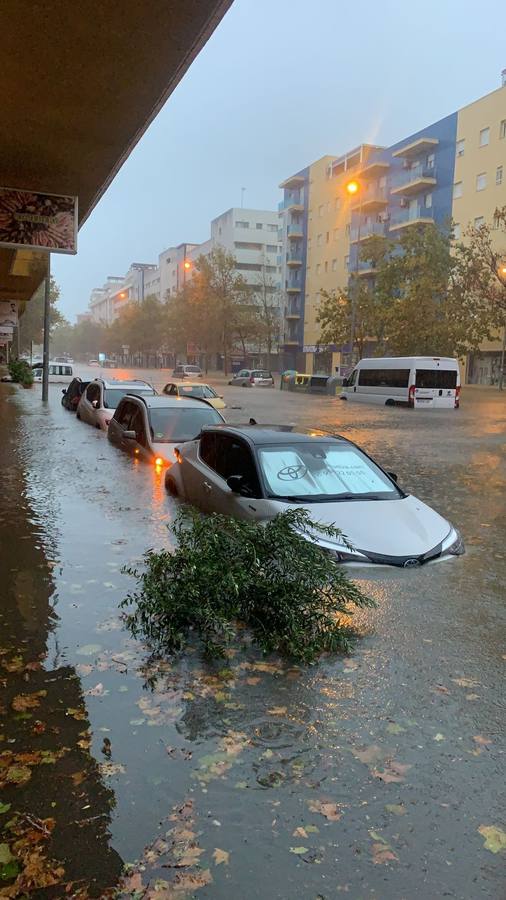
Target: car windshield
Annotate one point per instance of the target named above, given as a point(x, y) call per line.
point(197, 390)
point(321, 471)
point(112, 396)
point(174, 424)
point(193, 369)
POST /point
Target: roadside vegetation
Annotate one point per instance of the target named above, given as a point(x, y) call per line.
point(21, 372)
point(285, 589)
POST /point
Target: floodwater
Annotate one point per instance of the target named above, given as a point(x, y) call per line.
point(379, 775)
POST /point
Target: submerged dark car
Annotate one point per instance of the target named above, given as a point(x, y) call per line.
point(72, 394)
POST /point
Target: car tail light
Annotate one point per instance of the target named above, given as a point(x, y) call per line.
point(457, 397)
point(411, 396)
point(251, 380)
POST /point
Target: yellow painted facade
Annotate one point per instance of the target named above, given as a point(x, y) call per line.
point(481, 151)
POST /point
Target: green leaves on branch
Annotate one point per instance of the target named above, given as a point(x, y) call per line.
point(21, 372)
point(272, 578)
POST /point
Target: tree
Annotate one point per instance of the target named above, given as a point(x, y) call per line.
point(335, 312)
point(31, 322)
point(479, 282)
point(222, 295)
point(268, 301)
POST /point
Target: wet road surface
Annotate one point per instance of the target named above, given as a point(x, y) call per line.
point(370, 775)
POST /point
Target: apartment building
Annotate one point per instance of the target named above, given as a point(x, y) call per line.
point(174, 265)
point(452, 169)
point(106, 302)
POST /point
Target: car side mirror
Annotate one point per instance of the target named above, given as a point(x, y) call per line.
point(345, 382)
point(237, 485)
point(393, 476)
point(129, 435)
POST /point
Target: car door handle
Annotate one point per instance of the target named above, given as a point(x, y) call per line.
point(207, 487)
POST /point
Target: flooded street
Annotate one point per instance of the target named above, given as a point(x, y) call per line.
point(370, 775)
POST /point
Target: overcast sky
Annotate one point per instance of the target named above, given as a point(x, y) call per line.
point(280, 84)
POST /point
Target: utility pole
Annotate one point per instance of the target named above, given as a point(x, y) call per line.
point(352, 188)
point(45, 354)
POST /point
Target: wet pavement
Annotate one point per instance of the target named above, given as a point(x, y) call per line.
point(379, 775)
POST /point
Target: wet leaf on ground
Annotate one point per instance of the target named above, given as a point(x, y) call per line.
point(398, 809)
point(108, 769)
point(495, 838)
point(89, 649)
point(392, 773)
point(326, 808)
point(299, 851)
point(220, 857)
point(23, 702)
point(370, 755)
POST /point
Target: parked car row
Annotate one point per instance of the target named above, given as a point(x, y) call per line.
point(253, 472)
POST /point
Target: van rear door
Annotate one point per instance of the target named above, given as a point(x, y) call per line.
point(436, 388)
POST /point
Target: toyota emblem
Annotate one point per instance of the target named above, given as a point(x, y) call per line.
point(411, 563)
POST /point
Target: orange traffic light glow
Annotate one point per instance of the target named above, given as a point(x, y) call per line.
point(352, 187)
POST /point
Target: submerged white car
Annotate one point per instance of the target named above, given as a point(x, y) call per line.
point(254, 473)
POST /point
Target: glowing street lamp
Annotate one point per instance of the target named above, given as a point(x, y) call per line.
point(187, 264)
point(353, 187)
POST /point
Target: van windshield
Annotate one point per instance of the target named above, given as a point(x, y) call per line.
point(436, 378)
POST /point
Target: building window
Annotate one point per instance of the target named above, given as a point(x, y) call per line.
point(320, 210)
point(496, 222)
point(428, 201)
point(347, 231)
point(456, 231)
point(457, 190)
point(319, 240)
point(259, 226)
point(328, 237)
point(478, 221)
point(318, 268)
point(481, 181)
point(334, 265)
point(309, 244)
point(272, 228)
point(484, 137)
point(346, 262)
point(271, 248)
point(498, 175)
point(431, 159)
point(247, 245)
point(382, 182)
point(460, 147)
point(502, 129)
point(326, 266)
point(242, 224)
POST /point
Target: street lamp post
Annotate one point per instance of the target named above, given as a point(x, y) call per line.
point(353, 188)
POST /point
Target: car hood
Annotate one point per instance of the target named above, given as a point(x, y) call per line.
point(391, 528)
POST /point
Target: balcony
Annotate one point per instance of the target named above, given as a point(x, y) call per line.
point(412, 215)
point(293, 289)
point(294, 231)
point(291, 342)
point(372, 199)
point(365, 231)
point(413, 181)
point(293, 203)
point(416, 148)
point(293, 183)
point(293, 314)
point(366, 269)
point(373, 170)
point(294, 259)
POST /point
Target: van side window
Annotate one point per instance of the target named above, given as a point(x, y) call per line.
point(392, 378)
point(52, 370)
point(68, 370)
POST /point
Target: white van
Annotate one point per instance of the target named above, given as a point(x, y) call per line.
point(59, 373)
point(417, 381)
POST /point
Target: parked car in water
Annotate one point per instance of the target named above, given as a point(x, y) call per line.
point(152, 427)
point(253, 378)
point(93, 362)
point(101, 397)
point(187, 371)
point(195, 389)
point(73, 394)
point(253, 473)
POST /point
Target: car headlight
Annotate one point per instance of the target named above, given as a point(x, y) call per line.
point(456, 548)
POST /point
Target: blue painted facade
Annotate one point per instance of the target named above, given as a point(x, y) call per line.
point(294, 276)
point(436, 161)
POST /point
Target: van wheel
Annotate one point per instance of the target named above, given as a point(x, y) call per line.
point(390, 403)
point(170, 487)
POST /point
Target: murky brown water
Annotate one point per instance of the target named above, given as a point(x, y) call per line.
point(369, 776)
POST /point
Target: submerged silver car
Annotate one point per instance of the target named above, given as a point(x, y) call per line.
point(254, 473)
point(253, 378)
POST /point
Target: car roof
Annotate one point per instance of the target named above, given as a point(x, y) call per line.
point(274, 434)
point(163, 401)
point(119, 383)
point(185, 384)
